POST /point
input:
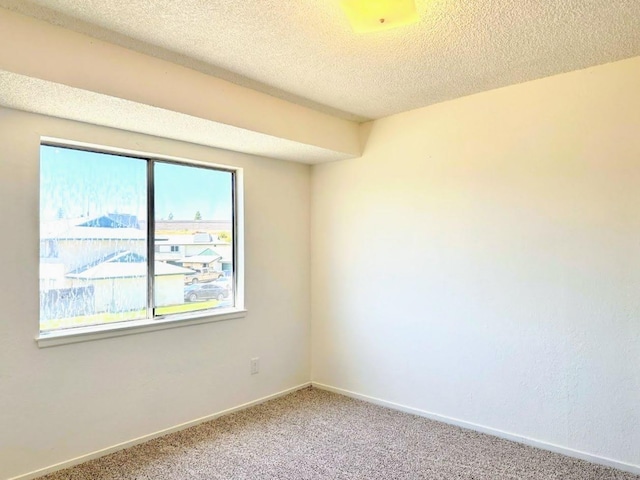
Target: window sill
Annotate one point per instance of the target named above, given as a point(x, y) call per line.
point(98, 332)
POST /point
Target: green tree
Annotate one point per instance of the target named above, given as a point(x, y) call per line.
point(170, 215)
point(198, 215)
point(60, 214)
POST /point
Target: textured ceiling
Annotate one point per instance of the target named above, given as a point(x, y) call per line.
point(17, 91)
point(305, 52)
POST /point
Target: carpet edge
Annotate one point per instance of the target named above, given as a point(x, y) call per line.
point(551, 447)
point(145, 438)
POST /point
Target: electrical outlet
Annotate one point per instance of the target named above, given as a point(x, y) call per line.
point(255, 365)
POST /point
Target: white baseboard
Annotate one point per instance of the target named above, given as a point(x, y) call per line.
point(151, 436)
point(627, 467)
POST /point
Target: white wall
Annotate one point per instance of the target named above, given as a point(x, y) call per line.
point(508, 224)
point(480, 261)
point(249, 119)
point(62, 402)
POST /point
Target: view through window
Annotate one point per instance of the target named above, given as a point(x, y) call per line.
point(95, 246)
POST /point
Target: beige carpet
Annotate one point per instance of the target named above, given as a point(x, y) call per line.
point(313, 434)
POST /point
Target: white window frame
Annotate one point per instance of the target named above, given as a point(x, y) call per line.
point(160, 322)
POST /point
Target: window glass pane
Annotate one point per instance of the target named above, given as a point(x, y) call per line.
point(193, 238)
point(93, 241)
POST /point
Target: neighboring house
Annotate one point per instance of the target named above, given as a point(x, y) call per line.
point(99, 264)
point(205, 259)
point(120, 282)
point(198, 251)
point(69, 244)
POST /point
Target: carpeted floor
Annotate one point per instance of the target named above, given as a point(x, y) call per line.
point(313, 434)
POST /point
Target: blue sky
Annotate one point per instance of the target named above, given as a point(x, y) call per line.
point(184, 190)
point(76, 183)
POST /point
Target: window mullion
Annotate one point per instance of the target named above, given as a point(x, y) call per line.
point(92, 250)
point(151, 227)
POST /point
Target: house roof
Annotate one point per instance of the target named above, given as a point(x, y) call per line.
point(100, 227)
point(189, 239)
point(226, 252)
point(112, 220)
point(124, 264)
point(205, 256)
point(121, 227)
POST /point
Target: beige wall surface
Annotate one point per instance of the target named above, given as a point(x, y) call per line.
point(37, 49)
point(481, 261)
point(62, 402)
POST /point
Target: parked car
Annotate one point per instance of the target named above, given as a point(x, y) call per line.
point(202, 276)
point(225, 282)
point(205, 291)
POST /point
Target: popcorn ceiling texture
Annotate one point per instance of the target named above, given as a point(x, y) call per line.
point(52, 99)
point(314, 434)
point(305, 52)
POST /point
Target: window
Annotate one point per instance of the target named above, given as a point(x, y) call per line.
point(129, 241)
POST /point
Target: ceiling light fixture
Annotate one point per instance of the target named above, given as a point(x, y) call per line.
point(375, 15)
